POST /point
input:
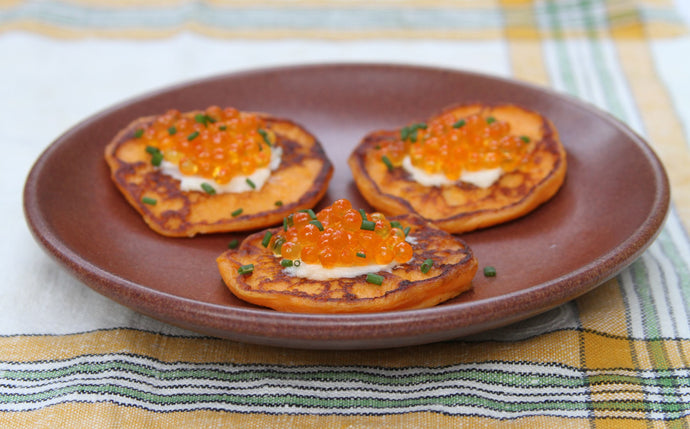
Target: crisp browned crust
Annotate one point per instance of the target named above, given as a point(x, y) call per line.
point(300, 182)
point(406, 287)
point(464, 207)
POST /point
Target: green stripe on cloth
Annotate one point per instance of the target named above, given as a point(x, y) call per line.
point(491, 389)
point(331, 19)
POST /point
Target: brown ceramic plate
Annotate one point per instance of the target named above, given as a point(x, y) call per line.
point(610, 208)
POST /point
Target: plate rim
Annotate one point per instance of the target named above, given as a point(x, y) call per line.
point(440, 318)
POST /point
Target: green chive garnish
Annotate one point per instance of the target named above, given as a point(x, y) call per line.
point(489, 271)
point(267, 238)
point(152, 150)
point(139, 132)
point(204, 119)
point(524, 139)
point(368, 225)
point(148, 200)
point(278, 203)
point(426, 266)
point(172, 131)
point(297, 262)
point(396, 224)
point(404, 133)
point(236, 213)
point(388, 162)
point(193, 135)
point(222, 127)
point(208, 188)
point(290, 219)
point(363, 214)
point(156, 159)
point(461, 123)
point(490, 120)
point(286, 263)
point(234, 244)
point(407, 231)
point(375, 279)
point(264, 135)
point(361, 255)
point(250, 183)
point(311, 213)
point(285, 224)
point(317, 224)
point(246, 269)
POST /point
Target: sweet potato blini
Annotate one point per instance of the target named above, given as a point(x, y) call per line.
point(469, 167)
point(217, 170)
point(343, 260)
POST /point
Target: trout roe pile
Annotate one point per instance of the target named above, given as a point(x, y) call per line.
point(217, 143)
point(449, 145)
point(340, 236)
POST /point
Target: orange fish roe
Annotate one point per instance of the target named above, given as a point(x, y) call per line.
point(340, 236)
point(217, 144)
point(451, 145)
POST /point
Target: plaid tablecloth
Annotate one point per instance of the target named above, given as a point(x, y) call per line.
point(616, 357)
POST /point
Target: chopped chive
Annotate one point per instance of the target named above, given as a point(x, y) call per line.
point(278, 203)
point(396, 224)
point(375, 279)
point(368, 225)
point(267, 238)
point(311, 213)
point(204, 119)
point(290, 219)
point(404, 133)
point(234, 244)
point(388, 162)
point(236, 212)
point(172, 131)
point(317, 224)
point(286, 263)
point(250, 183)
point(148, 200)
point(222, 127)
point(426, 266)
point(407, 231)
point(193, 135)
point(489, 271)
point(152, 150)
point(285, 224)
point(363, 214)
point(420, 126)
point(297, 262)
point(264, 135)
point(461, 123)
point(490, 120)
point(361, 255)
point(524, 139)
point(139, 132)
point(208, 188)
point(413, 136)
point(156, 159)
point(246, 269)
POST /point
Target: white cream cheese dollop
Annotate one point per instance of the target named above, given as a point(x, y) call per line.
point(480, 178)
point(318, 272)
point(237, 184)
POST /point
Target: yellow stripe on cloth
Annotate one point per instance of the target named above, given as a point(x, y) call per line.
point(662, 125)
point(554, 347)
point(88, 416)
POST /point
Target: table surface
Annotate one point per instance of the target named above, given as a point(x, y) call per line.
point(619, 355)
